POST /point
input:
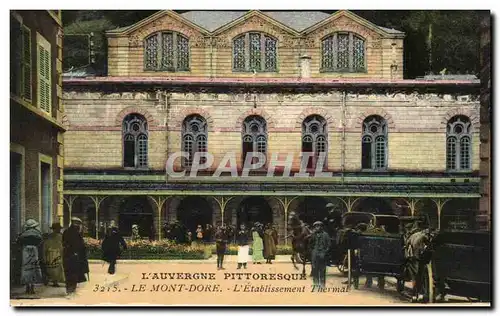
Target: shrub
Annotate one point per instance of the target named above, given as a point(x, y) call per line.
point(145, 249)
point(232, 249)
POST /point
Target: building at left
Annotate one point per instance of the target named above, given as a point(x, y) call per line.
point(36, 142)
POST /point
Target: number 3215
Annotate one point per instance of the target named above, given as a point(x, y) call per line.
point(99, 288)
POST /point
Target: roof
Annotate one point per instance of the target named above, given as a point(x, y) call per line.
point(213, 20)
point(423, 189)
point(263, 81)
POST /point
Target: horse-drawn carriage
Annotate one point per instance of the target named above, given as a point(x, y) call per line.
point(461, 264)
point(451, 262)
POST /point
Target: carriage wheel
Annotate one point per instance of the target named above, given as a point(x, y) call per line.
point(427, 289)
point(342, 267)
point(400, 285)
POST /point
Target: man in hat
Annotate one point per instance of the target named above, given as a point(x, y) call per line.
point(53, 254)
point(74, 256)
point(320, 243)
point(111, 248)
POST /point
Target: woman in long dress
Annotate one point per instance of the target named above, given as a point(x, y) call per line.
point(270, 243)
point(31, 240)
point(53, 256)
point(258, 244)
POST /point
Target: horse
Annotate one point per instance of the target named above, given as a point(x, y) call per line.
point(300, 242)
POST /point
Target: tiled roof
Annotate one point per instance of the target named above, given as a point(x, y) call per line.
point(298, 20)
point(212, 20)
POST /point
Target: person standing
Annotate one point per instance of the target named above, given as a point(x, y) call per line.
point(220, 245)
point(258, 245)
point(111, 248)
point(320, 243)
point(74, 256)
point(243, 247)
point(53, 254)
point(199, 234)
point(270, 243)
point(31, 241)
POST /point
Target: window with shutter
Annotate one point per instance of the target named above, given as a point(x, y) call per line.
point(26, 63)
point(20, 51)
point(44, 74)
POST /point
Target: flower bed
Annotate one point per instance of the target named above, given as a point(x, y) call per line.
point(232, 249)
point(145, 249)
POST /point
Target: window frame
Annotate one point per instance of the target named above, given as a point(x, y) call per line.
point(47, 160)
point(143, 130)
point(42, 43)
point(350, 69)
point(459, 137)
point(159, 52)
point(263, 68)
point(373, 142)
point(195, 136)
point(20, 150)
point(256, 137)
point(315, 136)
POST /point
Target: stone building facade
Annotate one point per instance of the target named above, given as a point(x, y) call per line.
point(36, 129)
point(36, 111)
point(274, 83)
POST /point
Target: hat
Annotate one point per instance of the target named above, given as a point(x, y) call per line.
point(31, 223)
point(76, 219)
point(330, 205)
point(56, 225)
point(318, 223)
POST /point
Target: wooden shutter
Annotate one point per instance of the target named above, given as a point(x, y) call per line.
point(44, 75)
point(16, 49)
point(26, 63)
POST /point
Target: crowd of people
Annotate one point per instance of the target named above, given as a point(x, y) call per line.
point(61, 258)
point(57, 258)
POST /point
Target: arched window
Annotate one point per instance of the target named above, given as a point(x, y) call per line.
point(314, 138)
point(135, 141)
point(374, 143)
point(166, 51)
point(254, 136)
point(255, 52)
point(343, 52)
point(458, 143)
point(194, 138)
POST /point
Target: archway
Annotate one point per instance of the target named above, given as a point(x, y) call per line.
point(254, 209)
point(312, 209)
point(136, 210)
point(459, 214)
point(374, 205)
point(193, 211)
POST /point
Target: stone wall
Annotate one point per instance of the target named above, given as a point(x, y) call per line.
point(416, 124)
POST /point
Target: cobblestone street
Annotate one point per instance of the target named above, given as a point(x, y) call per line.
point(128, 286)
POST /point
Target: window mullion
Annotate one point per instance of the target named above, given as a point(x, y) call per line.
point(247, 51)
point(262, 52)
point(174, 48)
point(159, 53)
point(374, 153)
point(335, 51)
point(351, 53)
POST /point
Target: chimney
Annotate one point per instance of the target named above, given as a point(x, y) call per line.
point(305, 66)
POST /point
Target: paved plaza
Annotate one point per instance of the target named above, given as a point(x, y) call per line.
point(174, 283)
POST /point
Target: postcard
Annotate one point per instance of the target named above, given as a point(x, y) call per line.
point(250, 158)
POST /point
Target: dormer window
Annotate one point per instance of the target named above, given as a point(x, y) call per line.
point(166, 51)
point(343, 52)
point(255, 52)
